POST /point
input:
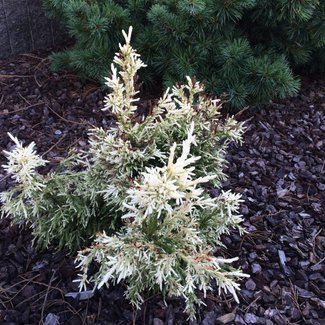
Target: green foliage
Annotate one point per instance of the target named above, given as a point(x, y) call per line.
point(295, 28)
point(232, 46)
point(141, 190)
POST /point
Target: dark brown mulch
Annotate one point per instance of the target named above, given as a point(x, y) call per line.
point(279, 170)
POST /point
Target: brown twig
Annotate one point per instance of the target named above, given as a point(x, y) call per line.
point(321, 261)
point(7, 290)
point(21, 109)
point(46, 295)
point(308, 193)
point(20, 282)
point(238, 114)
point(54, 145)
point(226, 300)
point(24, 99)
point(69, 307)
point(28, 55)
point(251, 304)
point(42, 61)
point(62, 118)
point(295, 298)
point(9, 76)
point(314, 241)
point(38, 84)
point(215, 299)
point(31, 298)
point(256, 234)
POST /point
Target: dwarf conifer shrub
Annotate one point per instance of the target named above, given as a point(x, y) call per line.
point(245, 48)
point(140, 193)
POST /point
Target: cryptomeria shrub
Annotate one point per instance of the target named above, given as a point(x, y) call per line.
point(141, 190)
point(243, 48)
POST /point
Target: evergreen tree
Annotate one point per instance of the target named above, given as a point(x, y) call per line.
point(243, 48)
point(295, 28)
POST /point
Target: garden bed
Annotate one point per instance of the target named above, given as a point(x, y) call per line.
point(279, 170)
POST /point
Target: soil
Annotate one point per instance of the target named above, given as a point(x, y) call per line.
point(279, 170)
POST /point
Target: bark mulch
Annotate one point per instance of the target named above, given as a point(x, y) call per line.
point(279, 170)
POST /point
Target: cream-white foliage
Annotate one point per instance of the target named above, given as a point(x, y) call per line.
point(22, 162)
point(122, 97)
point(162, 245)
point(141, 190)
point(164, 188)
